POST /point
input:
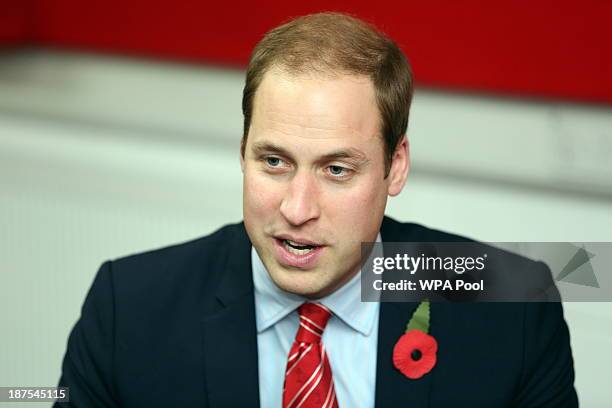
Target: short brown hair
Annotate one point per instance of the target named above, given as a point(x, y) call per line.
point(335, 43)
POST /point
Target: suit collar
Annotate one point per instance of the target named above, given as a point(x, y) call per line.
point(393, 231)
point(237, 280)
point(229, 334)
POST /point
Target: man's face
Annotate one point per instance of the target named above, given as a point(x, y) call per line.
point(314, 178)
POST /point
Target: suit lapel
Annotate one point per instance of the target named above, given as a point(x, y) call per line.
point(392, 387)
point(230, 334)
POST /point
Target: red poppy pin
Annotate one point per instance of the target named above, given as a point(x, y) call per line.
point(414, 354)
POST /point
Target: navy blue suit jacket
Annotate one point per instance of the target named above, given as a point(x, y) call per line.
point(175, 327)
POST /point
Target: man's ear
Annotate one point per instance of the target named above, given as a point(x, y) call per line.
point(400, 166)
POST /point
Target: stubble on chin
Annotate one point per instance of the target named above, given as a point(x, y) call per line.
point(309, 284)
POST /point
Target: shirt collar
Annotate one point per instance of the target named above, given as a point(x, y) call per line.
point(272, 304)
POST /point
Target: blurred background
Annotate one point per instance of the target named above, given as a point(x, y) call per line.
point(120, 124)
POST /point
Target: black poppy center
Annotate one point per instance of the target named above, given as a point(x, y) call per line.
point(416, 354)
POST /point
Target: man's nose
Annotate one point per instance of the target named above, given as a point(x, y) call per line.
point(301, 201)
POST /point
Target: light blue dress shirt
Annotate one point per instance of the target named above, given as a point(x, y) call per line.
point(350, 338)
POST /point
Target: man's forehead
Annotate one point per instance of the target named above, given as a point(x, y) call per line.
point(316, 107)
point(281, 73)
point(278, 83)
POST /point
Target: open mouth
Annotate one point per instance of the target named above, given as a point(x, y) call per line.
point(297, 248)
point(303, 254)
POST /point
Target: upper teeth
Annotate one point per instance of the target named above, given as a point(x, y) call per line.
point(290, 246)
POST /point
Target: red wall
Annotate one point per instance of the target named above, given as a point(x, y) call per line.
point(552, 49)
point(16, 21)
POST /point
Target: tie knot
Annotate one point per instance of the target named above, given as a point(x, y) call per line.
point(313, 319)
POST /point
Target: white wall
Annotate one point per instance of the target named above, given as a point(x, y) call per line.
point(103, 157)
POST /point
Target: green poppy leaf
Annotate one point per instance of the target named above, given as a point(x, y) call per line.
point(420, 318)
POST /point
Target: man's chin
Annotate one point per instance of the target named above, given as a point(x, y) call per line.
point(312, 286)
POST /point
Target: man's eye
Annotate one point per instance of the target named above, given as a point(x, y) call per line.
point(273, 161)
point(338, 171)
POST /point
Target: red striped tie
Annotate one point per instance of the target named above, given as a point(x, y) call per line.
point(308, 378)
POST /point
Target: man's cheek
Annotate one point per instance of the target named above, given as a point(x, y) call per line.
point(357, 200)
point(262, 195)
point(353, 210)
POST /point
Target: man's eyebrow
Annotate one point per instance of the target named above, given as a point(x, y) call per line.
point(350, 153)
point(267, 147)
